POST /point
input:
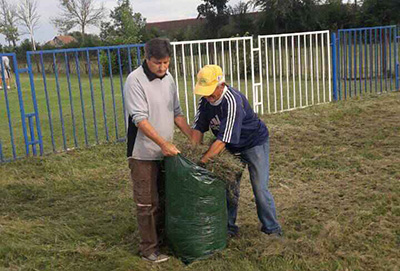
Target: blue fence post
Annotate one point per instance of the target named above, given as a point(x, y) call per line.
point(334, 66)
point(34, 101)
point(397, 36)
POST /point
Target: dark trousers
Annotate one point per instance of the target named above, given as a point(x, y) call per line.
point(148, 194)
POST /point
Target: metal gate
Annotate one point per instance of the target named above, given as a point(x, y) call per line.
point(18, 107)
point(367, 60)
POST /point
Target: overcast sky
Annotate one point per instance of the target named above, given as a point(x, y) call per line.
point(152, 10)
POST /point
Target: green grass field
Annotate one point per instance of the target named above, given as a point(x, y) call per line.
point(335, 172)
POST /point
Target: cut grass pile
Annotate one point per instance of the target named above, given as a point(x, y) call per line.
point(335, 176)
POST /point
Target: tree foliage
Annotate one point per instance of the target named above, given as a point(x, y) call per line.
point(126, 27)
point(82, 13)
point(8, 22)
point(216, 13)
point(29, 18)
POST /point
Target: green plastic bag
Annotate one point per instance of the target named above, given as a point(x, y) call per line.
point(195, 210)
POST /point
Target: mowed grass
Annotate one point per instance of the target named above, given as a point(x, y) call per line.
point(335, 172)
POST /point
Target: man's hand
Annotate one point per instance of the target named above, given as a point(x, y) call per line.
point(169, 149)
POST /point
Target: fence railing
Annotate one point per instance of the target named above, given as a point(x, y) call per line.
point(367, 60)
point(295, 71)
point(81, 94)
point(74, 97)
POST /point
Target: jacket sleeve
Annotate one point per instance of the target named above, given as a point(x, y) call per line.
point(200, 121)
point(135, 100)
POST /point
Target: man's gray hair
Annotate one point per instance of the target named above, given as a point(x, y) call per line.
point(158, 48)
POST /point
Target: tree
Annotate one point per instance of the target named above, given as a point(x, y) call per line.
point(29, 18)
point(217, 15)
point(287, 15)
point(382, 12)
point(126, 27)
point(82, 13)
point(242, 22)
point(8, 22)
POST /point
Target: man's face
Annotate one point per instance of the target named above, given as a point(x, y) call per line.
point(158, 66)
point(216, 94)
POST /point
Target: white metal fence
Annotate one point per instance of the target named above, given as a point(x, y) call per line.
point(285, 72)
point(232, 54)
point(295, 71)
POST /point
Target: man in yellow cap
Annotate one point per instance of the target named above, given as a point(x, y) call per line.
point(237, 128)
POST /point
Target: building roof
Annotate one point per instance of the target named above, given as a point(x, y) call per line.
point(61, 40)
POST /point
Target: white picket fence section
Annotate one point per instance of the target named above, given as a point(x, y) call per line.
point(232, 54)
point(285, 72)
point(295, 71)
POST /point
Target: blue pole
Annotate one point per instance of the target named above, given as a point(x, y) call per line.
point(385, 58)
point(92, 96)
point(376, 61)
point(129, 60)
point(47, 103)
point(70, 99)
point(112, 93)
point(138, 56)
point(8, 111)
point(121, 84)
point(360, 55)
point(397, 36)
point(371, 59)
point(334, 67)
point(390, 57)
point(339, 65)
point(345, 37)
point(350, 63)
point(78, 71)
point(34, 101)
point(365, 61)
point(59, 101)
point(21, 101)
point(102, 95)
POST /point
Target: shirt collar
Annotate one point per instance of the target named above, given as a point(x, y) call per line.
point(150, 75)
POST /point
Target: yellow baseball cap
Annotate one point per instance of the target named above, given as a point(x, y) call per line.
point(207, 80)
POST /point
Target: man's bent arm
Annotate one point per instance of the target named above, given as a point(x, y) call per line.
point(214, 150)
point(181, 122)
point(167, 148)
point(197, 137)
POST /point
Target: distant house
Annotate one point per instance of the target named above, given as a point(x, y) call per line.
point(60, 41)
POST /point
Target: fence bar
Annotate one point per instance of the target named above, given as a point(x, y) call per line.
point(376, 61)
point(245, 68)
point(14, 153)
point(329, 68)
point(70, 98)
point(305, 68)
point(280, 71)
point(287, 73)
point(274, 72)
point(129, 60)
point(311, 70)
point(102, 95)
point(237, 64)
point(121, 85)
point(317, 67)
point(184, 81)
point(112, 93)
point(92, 97)
point(390, 58)
point(323, 67)
point(78, 71)
point(381, 54)
point(193, 81)
point(34, 101)
point(299, 64)
point(55, 68)
point(230, 62)
point(334, 68)
point(267, 73)
point(355, 62)
point(176, 69)
point(47, 103)
point(396, 58)
point(365, 61)
point(294, 74)
point(371, 57)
